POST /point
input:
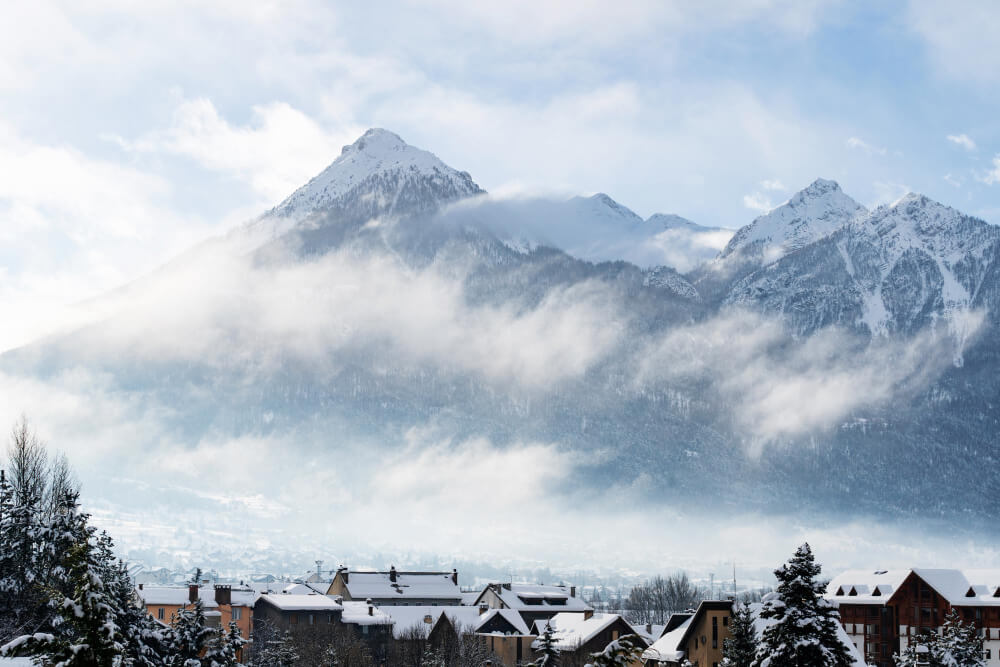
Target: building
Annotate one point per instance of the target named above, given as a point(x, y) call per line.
point(577, 635)
point(883, 611)
point(232, 604)
point(398, 588)
point(502, 631)
point(667, 648)
point(533, 601)
point(288, 612)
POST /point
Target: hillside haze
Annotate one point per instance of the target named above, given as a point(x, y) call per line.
point(391, 341)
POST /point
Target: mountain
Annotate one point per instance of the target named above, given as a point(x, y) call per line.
point(378, 175)
point(829, 361)
point(904, 268)
point(813, 213)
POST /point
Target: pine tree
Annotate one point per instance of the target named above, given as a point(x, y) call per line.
point(804, 632)
point(741, 648)
point(548, 652)
point(189, 637)
point(621, 652)
point(225, 651)
point(958, 645)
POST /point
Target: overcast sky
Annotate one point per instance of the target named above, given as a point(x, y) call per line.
point(127, 135)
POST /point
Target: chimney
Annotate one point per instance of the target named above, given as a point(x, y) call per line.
point(649, 628)
point(223, 594)
point(342, 571)
point(483, 608)
point(572, 591)
point(588, 614)
point(454, 576)
point(192, 593)
point(392, 574)
point(371, 607)
point(506, 585)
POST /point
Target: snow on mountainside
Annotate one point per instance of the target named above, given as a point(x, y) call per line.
point(377, 155)
point(379, 174)
point(813, 213)
point(899, 269)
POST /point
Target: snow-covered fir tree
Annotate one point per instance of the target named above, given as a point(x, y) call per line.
point(958, 645)
point(804, 628)
point(189, 636)
point(740, 649)
point(277, 653)
point(622, 652)
point(547, 650)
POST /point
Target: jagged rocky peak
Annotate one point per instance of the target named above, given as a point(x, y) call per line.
point(380, 167)
point(811, 214)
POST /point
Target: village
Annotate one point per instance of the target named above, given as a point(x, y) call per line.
point(402, 617)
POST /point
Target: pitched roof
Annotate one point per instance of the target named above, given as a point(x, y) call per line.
point(668, 647)
point(356, 613)
point(179, 596)
point(572, 630)
point(877, 587)
point(294, 602)
point(532, 597)
point(424, 585)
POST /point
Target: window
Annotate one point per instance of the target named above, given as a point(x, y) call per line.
point(988, 654)
point(871, 629)
point(715, 632)
point(310, 619)
point(237, 613)
point(725, 621)
point(364, 629)
point(159, 613)
point(293, 619)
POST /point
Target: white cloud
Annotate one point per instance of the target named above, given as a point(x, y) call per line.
point(277, 151)
point(862, 145)
point(774, 184)
point(992, 176)
point(951, 180)
point(757, 202)
point(781, 390)
point(962, 140)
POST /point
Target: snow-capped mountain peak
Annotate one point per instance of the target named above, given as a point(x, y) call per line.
point(605, 208)
point(811, 214)
point(377, 155)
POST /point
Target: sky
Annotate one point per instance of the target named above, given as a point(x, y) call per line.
point(128, 135)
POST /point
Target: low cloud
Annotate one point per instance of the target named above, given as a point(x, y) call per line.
point(778, 388)
point(992, 176)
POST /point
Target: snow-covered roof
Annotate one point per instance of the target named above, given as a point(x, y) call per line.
point(531, 597)
point(573, 629)
point(310, 602)
point(470, 597)
point(865, 586)
point(356, 613)
point(877, 587)
point(512, 616)
point(667, 648)
point(179, 596)
point(421, 585)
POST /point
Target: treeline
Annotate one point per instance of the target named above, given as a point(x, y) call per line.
point(65, 599)
point(654, 600)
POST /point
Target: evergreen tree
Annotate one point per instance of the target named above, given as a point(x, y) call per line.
point(280, 653)
point(622, 652)
point(225, 652)
point(188, 637)
point(548, 652)
point(958, 645)
point(804, 628)
point(740, 649)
